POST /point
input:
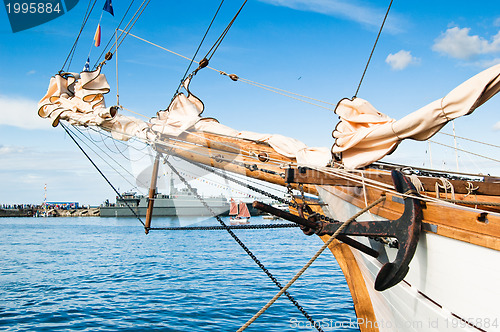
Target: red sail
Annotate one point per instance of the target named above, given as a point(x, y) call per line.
point(244, 213)
point(233, 208)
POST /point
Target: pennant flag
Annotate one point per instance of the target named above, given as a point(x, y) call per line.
point(97, 36)
point(87, 65)
point(108, 6)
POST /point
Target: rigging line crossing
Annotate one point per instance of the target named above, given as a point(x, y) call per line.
point(114, 169)
point(373, 49)
point(73, 48)
point(115, 34)
point(245, 248)
point(309, 263)
point(138, 15)
point(469, 139)
point(100, 172)
point(121, 142)
point(472, 153)
point(197, 50)
point(145, 154)
point(244, 80)
point(223, 35)
point(143, 6)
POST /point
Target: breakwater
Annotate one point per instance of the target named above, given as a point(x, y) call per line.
point(38, 211)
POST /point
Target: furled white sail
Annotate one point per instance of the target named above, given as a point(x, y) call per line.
point(79, 99)
point(365, 135)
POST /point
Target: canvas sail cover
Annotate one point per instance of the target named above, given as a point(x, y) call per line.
point(79, 99)
point(365, 135)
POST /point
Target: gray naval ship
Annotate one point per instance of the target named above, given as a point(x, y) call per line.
point(176, 203)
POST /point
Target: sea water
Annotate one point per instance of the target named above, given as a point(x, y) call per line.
point(105, 274)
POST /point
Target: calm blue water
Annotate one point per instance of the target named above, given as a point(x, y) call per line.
point(104, 274)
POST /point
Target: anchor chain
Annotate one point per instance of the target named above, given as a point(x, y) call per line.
point(218, 228)
point(245, 248)
point(260, 191)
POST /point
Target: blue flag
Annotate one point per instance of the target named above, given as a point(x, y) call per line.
point(108, 6)
point(87, 65)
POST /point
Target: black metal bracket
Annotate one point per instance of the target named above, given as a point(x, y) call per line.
point(405, 229)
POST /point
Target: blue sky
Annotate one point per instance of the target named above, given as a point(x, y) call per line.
point(315, 48)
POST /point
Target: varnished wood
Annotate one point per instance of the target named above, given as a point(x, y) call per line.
point(353, 276)
point(229, 161)
point(452, 221)
point(224, 153)
point(152, 193)
point(311, 176)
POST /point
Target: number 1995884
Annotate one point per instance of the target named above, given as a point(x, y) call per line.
point(32, 8)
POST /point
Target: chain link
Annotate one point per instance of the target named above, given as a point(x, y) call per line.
point(244, 247)
point(218, 228)
point(290, 203)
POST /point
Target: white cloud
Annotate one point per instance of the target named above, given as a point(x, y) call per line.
point(458, 43)
point(496, 126)
point(401, 60)
point(22, 113)
point(338, 8)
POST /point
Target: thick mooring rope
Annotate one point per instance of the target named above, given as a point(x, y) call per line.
point(320, 251)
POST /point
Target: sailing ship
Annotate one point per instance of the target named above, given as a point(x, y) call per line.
point(239, 214)
point(423, 254)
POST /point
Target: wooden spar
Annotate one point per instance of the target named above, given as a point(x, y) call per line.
point(233, 159)
point(244, 147)
point(312, 176)
point(152, 193)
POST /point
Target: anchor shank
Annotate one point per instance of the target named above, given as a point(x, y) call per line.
point(285, 215)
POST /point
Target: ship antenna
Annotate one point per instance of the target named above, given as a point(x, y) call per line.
point(373, 49)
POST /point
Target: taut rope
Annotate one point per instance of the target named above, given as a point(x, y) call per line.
point(320, 251)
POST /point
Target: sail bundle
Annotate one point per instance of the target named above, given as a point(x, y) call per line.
point(365, 135)
point(79, 99)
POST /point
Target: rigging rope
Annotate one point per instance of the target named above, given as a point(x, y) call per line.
point(338, 172)
point(73, 48)
point(309, 263)
point(244, 247)
point(234, 77)
point(472, 153)
point(119, 164)
point(217, 43)
point(115, 34)
point(197, 50)
point(373, 49)
point(469, 139)
point(100, 172)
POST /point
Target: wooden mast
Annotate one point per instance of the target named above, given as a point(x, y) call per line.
point(152, 193)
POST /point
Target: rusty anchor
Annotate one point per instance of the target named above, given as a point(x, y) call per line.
point(406, 229)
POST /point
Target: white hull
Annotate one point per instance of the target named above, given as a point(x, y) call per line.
point(451, 286)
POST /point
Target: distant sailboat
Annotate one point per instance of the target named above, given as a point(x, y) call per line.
point(239, 213)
